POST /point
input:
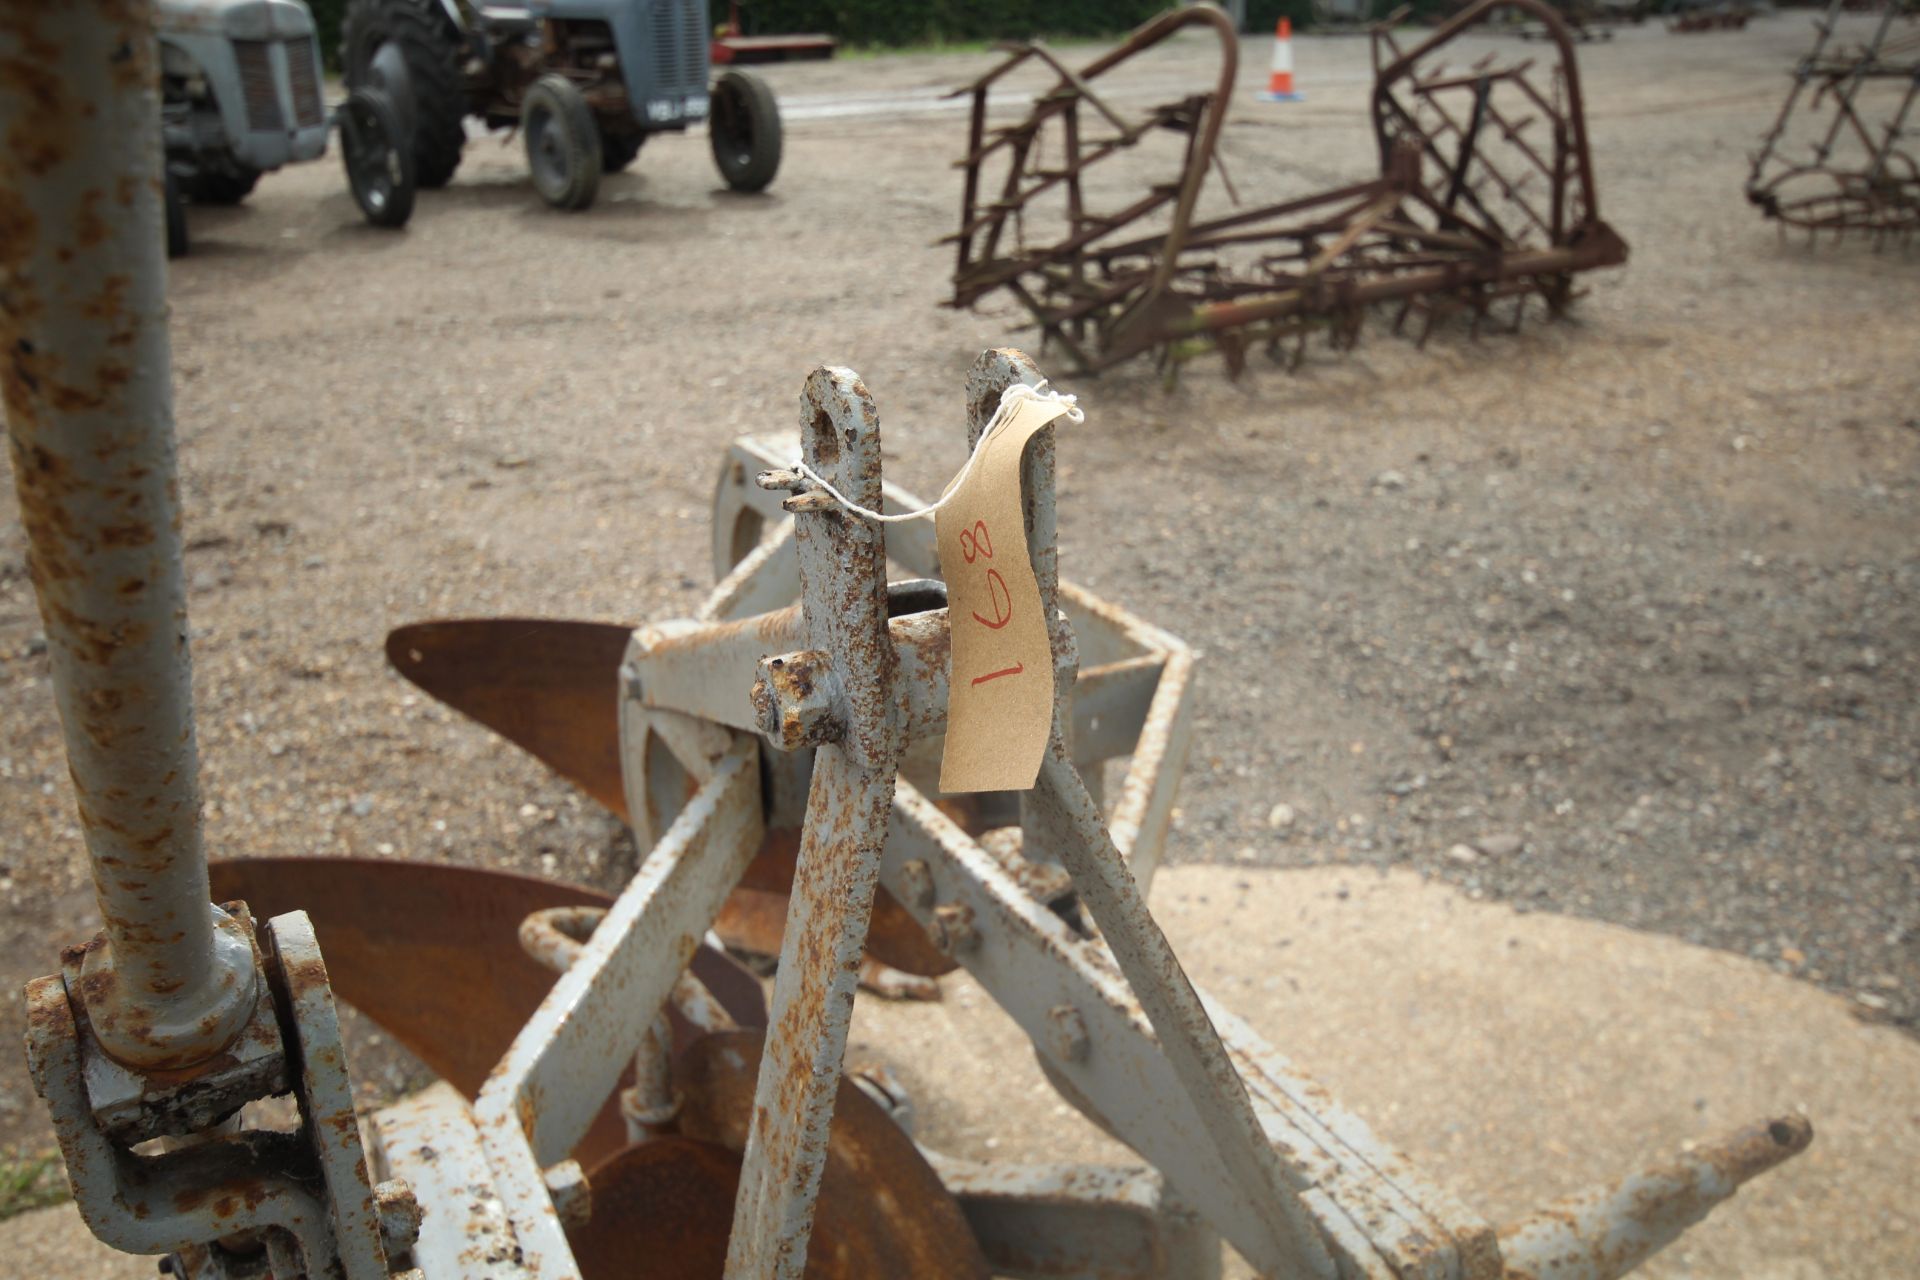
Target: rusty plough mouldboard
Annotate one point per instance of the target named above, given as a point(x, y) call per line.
point(618, 1097)
point(1839, 157)
point(1485, 195)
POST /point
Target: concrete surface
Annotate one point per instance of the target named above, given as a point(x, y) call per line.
point(1516, 1057)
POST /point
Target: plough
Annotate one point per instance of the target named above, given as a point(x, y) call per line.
point(1485, 194)
point(1859, 173)
point(618, 1097)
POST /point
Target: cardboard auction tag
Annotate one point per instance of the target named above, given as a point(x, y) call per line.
point(1000, 699)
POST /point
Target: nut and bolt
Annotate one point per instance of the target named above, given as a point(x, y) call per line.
point(1067, 1034)
point(399, 1216)
point(793, 700)
point(567, 1185)
point(814, 500)
point(781, 478)
point(952, 928)
point(916, 885)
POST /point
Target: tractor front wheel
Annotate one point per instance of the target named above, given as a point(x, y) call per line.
point(745, 130)
point(380, 164)
point(563, 143)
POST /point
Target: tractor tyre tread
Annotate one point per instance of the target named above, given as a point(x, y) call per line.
point(432, 47)
point(179, 244)
point(747, 164)
point(561, 97)
point(387, 203)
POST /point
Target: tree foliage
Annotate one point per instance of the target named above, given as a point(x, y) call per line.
point(869, 23)
point(326, 16)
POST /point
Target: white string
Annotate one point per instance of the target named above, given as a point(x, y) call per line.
point(1009, 401)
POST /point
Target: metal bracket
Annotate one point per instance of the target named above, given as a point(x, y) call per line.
point(303, 1196)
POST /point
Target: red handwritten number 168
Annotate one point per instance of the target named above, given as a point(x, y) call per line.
point(977, 544)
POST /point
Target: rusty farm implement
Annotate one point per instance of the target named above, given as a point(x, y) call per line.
point(618, 1097)
point(1838, 158)
point(1485, 196)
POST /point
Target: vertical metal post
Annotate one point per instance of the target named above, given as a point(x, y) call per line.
point(843, 576)
point(84, 364)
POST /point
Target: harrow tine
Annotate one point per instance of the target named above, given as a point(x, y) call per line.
point(1609, 1231)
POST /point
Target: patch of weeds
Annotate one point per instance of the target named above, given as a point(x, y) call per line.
point(30, 1182)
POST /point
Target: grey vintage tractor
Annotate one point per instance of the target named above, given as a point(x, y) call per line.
point(586, 82)
point(240, 88)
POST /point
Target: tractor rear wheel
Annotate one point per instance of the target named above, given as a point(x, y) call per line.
point(563, 143)
point(745, 130)
point(380, 165)
point(177, 241)
point(412, 51)
point(616, 153)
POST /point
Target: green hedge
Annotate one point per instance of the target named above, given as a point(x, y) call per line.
point(900, 22)
point(907, 22)
point(1263, 15)
point(326, 16)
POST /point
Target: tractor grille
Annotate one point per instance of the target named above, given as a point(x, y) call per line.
point(257, 86)
point(680, 47)
point(303, 73)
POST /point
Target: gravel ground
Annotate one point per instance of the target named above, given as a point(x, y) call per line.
point(1613, 618)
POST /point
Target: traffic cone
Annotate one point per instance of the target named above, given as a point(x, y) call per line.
point(1280, 82)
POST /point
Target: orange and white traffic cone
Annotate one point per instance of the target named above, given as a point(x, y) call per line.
point(1280, 82)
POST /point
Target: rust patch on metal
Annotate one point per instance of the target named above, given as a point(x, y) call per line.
point(90, 229)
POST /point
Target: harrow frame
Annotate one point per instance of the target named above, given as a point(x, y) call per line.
point(1449, 225)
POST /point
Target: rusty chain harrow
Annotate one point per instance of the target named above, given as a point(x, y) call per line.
point(1485, 195)
point(1837, 158)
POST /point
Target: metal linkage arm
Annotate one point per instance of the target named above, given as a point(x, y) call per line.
point(173, 1018)
point(565, 1062)
point(89, 412)
point(843, 574)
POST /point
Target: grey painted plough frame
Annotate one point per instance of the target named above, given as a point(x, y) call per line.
point(1239, 1140)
